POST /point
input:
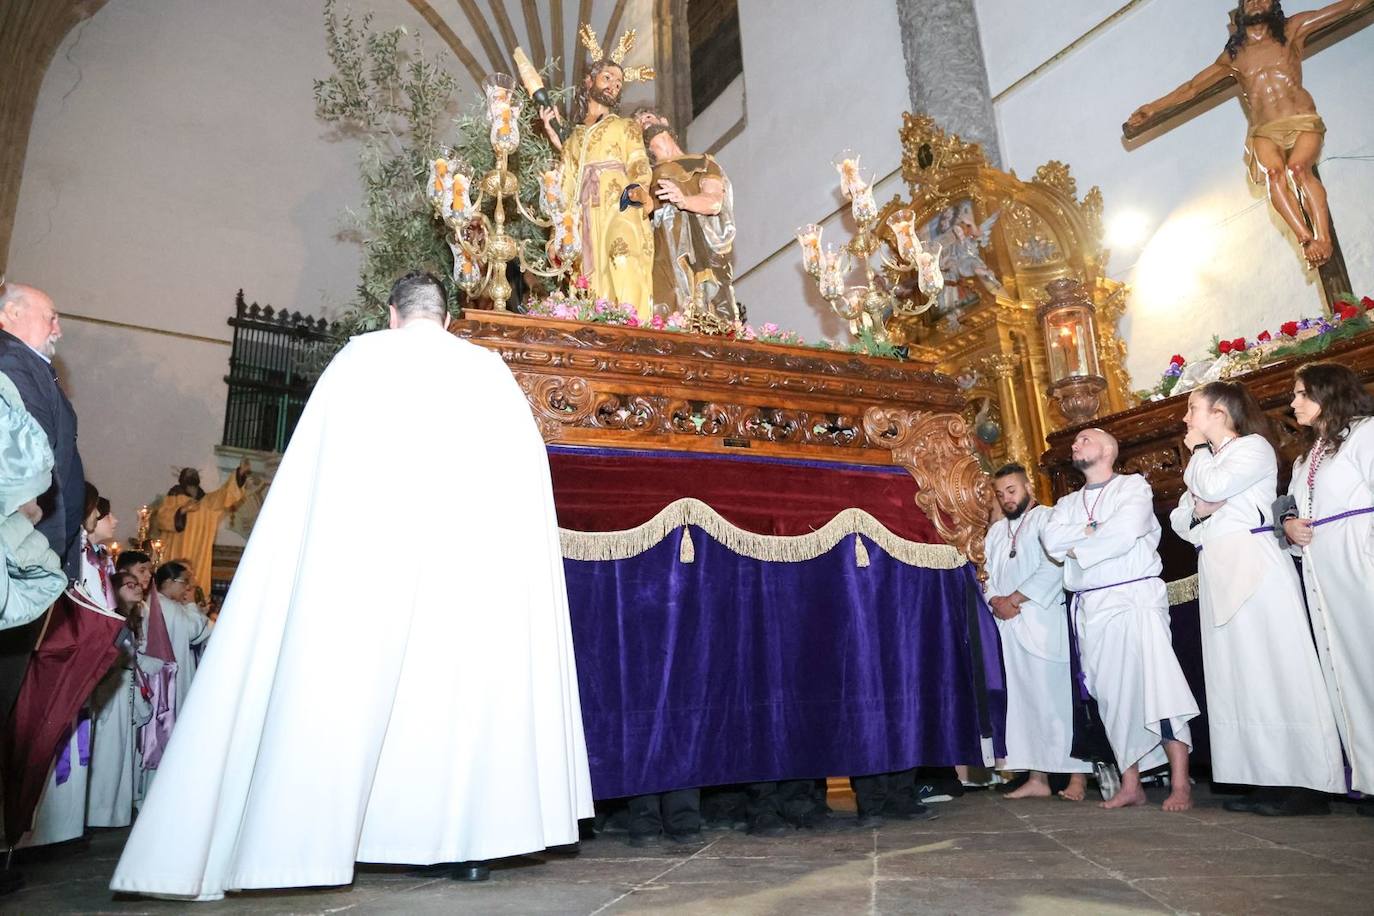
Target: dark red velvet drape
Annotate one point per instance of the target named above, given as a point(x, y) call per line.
point(613, 489)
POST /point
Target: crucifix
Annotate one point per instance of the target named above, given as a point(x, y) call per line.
point(1263, 57)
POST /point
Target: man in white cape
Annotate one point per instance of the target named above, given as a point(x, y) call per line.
point(392, 677)
point(1026, 593)
point(1107, 537)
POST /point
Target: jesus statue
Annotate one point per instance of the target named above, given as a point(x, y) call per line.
point(1264, 54)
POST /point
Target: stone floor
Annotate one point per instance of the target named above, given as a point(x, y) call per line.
point(982, 855)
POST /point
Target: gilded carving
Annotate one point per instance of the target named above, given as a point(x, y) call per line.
point(953, 489)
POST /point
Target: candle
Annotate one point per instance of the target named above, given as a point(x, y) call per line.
point(566, 235)
point(847, 164)
point(903, 226)
point(831, 279)
point(864, 208)
point(467, 273)
point(505, 129)
point(460, 197)
point(809, 237)
point(551, 191)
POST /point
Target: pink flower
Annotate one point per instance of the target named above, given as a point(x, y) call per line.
point(770, 329)
point(582, 282)
point(658, 323)
point(632, 321)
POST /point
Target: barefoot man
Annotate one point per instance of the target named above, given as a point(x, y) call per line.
point(1026, 593)
point(1106, 534)
point(1264, 54)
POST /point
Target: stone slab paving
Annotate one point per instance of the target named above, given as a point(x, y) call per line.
point(984, 854)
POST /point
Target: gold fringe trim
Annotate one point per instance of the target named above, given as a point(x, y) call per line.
point(1182, 590)
point(621, 545)
point(686, 550)
point(860, 552)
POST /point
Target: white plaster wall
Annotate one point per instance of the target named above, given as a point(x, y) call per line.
point(1214, 260)
point(820, 77)
point(174, 158)
point(1018, 36)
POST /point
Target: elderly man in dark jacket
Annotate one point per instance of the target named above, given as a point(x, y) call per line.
point(27, 343)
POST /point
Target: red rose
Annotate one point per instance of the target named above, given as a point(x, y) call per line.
point(1265, 337)
point(1177, 360)
point(1224, 347)
point(1345, 311)
point(1238, 345)
point(1289, 329)
point(1368, 303)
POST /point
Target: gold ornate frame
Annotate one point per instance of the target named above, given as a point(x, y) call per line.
point(1045, 232)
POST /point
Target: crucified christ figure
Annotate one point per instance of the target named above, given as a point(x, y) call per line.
point(1265, 54)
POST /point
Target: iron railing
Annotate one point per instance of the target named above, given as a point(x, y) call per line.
point(275, 360)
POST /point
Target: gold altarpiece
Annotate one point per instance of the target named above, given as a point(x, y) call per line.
point(1003, 239)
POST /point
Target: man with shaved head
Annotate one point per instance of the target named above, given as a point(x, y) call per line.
point(1106, 534)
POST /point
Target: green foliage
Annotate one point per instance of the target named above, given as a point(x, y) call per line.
point(398, 101)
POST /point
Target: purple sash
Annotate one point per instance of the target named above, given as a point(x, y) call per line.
point(1344, 515)
point(1074, 657)
point(161, 690)
point(1267, 529)
point(62, 767)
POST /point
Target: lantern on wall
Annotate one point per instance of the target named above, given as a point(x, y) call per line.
point(1070, 328)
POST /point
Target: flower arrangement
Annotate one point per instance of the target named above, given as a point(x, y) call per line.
point(581, 307)
point(1303, 337)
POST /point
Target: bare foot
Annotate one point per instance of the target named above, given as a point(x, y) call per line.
point(1180, 799)
point(1317, 250)
point(1077, 788)
point(1125, 798)
point(1033, 788)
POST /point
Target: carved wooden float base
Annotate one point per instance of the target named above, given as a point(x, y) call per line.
point(620, 387)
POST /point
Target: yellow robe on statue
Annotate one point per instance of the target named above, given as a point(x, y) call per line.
point(196, 543)
point(599, 162)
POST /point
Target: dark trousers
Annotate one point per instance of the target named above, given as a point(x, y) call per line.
point(675, 813)
point(793, 800)
point(885, 792)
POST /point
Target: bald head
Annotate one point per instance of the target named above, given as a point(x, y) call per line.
point(1094, 453)
point(28, 313)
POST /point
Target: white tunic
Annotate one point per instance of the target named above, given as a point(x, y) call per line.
point(1035, 647)
point(118, 709)
point(1338, 572)
point(1267, 712)
point(187, 627)
point(392, 677)
point(1123, 629)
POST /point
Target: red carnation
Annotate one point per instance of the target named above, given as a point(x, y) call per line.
point(1224, 347)
point(1368, 303)
point(1265, 337)
point(1346, 311)
point(1238, 345)
point(1289, 329)
point(1177, 360)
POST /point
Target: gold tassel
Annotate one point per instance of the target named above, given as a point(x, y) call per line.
point(686, 553)
point(860, 552)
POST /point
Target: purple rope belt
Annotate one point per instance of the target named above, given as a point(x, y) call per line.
point(1344, 515)
point(1098, 588)
point(1081, 680)
point(1267, 529)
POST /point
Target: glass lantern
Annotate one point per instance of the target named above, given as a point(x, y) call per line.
point(1070, 332)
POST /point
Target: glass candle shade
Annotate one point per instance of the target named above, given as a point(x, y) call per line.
point(809, 237)
point(903, 226)
point(846, 162)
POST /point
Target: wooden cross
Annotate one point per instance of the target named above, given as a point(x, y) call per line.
point(1343, 20)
